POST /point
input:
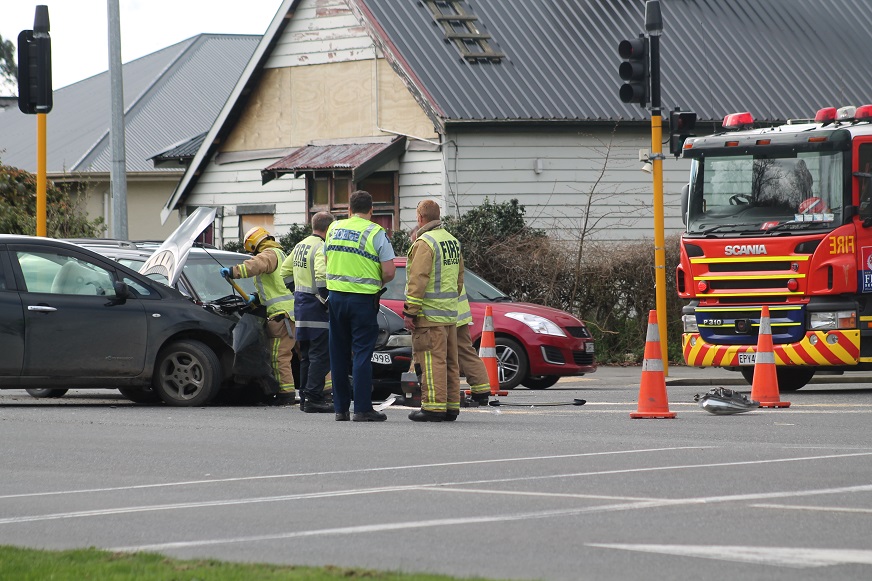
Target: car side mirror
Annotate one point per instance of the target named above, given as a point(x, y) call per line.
point(685, 194)
point(122, 292)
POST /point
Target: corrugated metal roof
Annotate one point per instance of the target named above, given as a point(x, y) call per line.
point(164, 100)
point(179, 154)
point(779, 59)
point(358, 158)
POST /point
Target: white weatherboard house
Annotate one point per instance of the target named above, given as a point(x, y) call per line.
point(463, 100)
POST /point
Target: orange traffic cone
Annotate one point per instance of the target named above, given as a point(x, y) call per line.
point(652, 389)
point(764, 386)
point(487, 351)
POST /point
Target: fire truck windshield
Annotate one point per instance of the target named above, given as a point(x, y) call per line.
point(750, 193)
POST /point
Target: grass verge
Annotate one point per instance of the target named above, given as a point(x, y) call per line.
point(92, 564)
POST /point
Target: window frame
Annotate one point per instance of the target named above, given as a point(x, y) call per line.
point(340, 210)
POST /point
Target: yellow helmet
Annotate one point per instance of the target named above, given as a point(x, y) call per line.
point(254, 237)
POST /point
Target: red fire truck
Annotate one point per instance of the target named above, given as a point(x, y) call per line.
point(780, 216)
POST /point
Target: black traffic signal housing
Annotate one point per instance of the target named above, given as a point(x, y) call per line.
point(34, 66)
point(634, 70)
point(681, 126)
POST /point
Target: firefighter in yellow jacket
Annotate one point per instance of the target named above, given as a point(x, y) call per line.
point(434, 276)
point(265, 267)
point(470, 363)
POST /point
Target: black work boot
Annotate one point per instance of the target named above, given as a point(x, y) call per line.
point(451, 415)
point(370, 416)
point(318, 407)
point(285, 398)
point(480, 398)
point(426, 416)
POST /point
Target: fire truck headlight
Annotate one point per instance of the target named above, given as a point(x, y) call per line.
point(689, 322)
point(832, 320)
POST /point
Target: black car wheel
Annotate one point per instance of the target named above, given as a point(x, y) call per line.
point(187, 373)
point(539, 381)
point(41, 393)
point(789, 378)
point(140, 395)
point(511, 363)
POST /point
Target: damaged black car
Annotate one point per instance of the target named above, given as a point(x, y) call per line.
point(71, 318)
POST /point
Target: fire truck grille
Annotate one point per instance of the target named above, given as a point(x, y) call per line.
point(744, 284)
point(741, 325)
point(739, 267)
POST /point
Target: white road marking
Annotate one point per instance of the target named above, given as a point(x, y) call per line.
point(815, 508)
point(384, 527)
point(356, 471)
point(660, 468)
point(777, 556)
point(376, 528)
point(440, 488)
point(351, 492)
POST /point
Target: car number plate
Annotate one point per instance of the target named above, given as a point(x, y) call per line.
point(383, 358)
point(747, 358)
point(588, 348)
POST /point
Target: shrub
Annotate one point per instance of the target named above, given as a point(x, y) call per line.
point(400, 242)
point(610, 287)
point(487, 227)
point(294, 236)
point(64, 215)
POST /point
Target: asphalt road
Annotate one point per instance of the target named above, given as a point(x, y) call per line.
point(559, 492)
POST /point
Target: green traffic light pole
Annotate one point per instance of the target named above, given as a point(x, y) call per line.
point(654, 28)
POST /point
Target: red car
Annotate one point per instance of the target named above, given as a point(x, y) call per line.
point(536, 345)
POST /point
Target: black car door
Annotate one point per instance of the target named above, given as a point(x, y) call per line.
point(11, 322)
point(74, 324)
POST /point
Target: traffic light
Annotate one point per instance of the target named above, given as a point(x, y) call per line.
point(634, 70)
point(681, 126)
point(34, 66)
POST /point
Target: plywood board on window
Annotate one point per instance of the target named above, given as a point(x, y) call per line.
point(293, 106)
point(266, 121)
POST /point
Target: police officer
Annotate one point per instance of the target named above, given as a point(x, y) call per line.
point(360, 261)
point(272, 293)
point(434, 276)
point(307, 267)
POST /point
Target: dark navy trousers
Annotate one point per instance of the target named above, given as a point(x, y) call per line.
point(353, 333)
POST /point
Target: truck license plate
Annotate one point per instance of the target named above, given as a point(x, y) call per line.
point(383, 358)
point(747, 358)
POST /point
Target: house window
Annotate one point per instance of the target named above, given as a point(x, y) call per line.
point(330, 193)
point(207, 236)
point(249, 221)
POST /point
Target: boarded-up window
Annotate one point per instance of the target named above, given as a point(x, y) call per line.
point(249, 221)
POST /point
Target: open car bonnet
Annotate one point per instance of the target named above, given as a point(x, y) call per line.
point(170, 257)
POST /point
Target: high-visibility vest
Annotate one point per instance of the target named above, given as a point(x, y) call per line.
point(352, 260)
point(271, 289)
point(440, 296)
point(464, 312)
point(305, 259)
point(308, 266)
